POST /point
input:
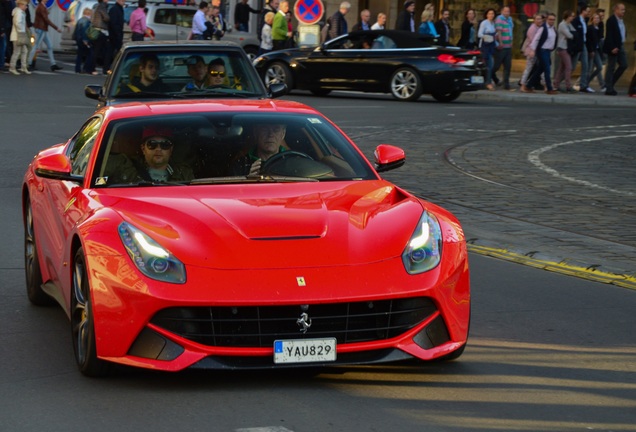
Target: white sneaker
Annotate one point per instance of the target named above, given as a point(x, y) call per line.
point(14, 71)
point(25, 71)
point(603, 89)
point(590, 90)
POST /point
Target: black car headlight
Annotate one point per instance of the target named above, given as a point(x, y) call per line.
point(149, 257)
point(424, 250)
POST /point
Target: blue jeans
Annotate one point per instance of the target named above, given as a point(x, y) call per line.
point(583, 56)
point(596, 68)
point(41, 35)
point(3, 49)
point(543, 57)
point(487, 52)
point(243, 27)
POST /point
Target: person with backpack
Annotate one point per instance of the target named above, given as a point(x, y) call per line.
point(84, 60)
point(542, 45)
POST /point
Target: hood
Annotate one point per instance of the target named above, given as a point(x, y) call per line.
point(273, 225)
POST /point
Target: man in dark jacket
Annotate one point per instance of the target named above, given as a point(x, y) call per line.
point(405, 20)
point(116, 25)
point(580, 37)
point(337, 23)
point(614, 47)
point(443, 28)
point(242, 15)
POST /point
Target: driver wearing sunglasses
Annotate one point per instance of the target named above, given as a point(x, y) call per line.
point(156, 148)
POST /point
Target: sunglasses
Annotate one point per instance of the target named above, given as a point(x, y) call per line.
point(217, 73)
point(164, 144)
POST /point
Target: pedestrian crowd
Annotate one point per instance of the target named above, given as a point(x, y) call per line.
point(581, 37)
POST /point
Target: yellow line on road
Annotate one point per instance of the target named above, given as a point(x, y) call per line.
point(625, 281)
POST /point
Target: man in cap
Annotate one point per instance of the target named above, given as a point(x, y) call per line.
point(405, 20)
point(156, 149)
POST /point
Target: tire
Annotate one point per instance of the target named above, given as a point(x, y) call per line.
point(406, 84)
point(32, 272)
point(82, 321)
point(320, 92)
point(279, 72)
point(446, 97)
point(251, 51)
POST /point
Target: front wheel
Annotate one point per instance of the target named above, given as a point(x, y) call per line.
point(446, 97)
point(32, 270)
point(278, 72)
point(406, 84)
point(83, 321)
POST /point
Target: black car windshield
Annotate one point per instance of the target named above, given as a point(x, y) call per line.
point(152, 74)
point(224, 148)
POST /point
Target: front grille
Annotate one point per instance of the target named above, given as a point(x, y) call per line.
point(260, 326)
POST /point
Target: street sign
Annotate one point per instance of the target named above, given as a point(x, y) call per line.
point(308, 11)
point(64, 4)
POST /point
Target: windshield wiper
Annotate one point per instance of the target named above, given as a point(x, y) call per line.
point(251, 179)
point(141, 95)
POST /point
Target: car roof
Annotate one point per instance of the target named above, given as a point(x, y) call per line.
point(177, 45)
point(196, 106)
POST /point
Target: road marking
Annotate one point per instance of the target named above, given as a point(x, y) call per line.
point(265, 429)
point(534, 158)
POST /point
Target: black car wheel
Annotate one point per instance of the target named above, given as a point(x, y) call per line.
point(406, 84)
point(251, 51)
point(82, 321)
point(446, 97)
point(279, 72)
point(31, 262)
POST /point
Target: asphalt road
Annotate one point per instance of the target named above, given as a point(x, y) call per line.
point(547, 351)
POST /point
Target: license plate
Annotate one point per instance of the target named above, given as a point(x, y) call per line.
point(305, 350)
point(477, 79)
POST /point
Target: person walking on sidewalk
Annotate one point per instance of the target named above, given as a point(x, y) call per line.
point(101, 46)
point(580, 25)
point(594, 38)
point(487, 43)
point(84, 47)
point(503, 56)
point(19, 37)
point(565, 39)
point(542, 45)
point(525, 49)
point(42, 24)
point(614, 47)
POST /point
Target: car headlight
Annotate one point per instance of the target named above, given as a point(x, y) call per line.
point(149, 257)
point(424, 250)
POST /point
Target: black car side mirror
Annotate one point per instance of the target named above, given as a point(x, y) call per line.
point(277, 90)
point(92, 91)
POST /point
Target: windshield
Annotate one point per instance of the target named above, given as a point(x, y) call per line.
point(222, 148)
point(191, 74)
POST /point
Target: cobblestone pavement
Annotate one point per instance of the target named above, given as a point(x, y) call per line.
point(545, 192)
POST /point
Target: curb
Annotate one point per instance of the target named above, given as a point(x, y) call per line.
point(562, 267)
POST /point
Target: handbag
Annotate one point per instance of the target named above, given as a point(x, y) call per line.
point(92, 33)
point(23, 39)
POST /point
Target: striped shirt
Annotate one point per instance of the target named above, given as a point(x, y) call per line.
point(504, 27)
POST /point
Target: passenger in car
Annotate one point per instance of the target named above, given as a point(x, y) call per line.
point(198, 71)
point(269, 140)
point(216, 74)
point(148, 79)
point(153, 164)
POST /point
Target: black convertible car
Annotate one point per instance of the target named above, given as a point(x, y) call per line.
point(386, 61)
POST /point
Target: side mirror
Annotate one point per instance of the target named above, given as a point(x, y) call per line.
point(388, 157)
point(277, 90)
point(92, 91)
point(56, 167)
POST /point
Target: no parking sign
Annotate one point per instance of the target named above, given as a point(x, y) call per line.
point(308, 11)
point(63, 4)
point(47, 3)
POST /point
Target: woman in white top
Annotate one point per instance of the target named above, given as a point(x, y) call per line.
point(267, 43)
point(487, 44)
point(379, 24)
point(565, 32)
